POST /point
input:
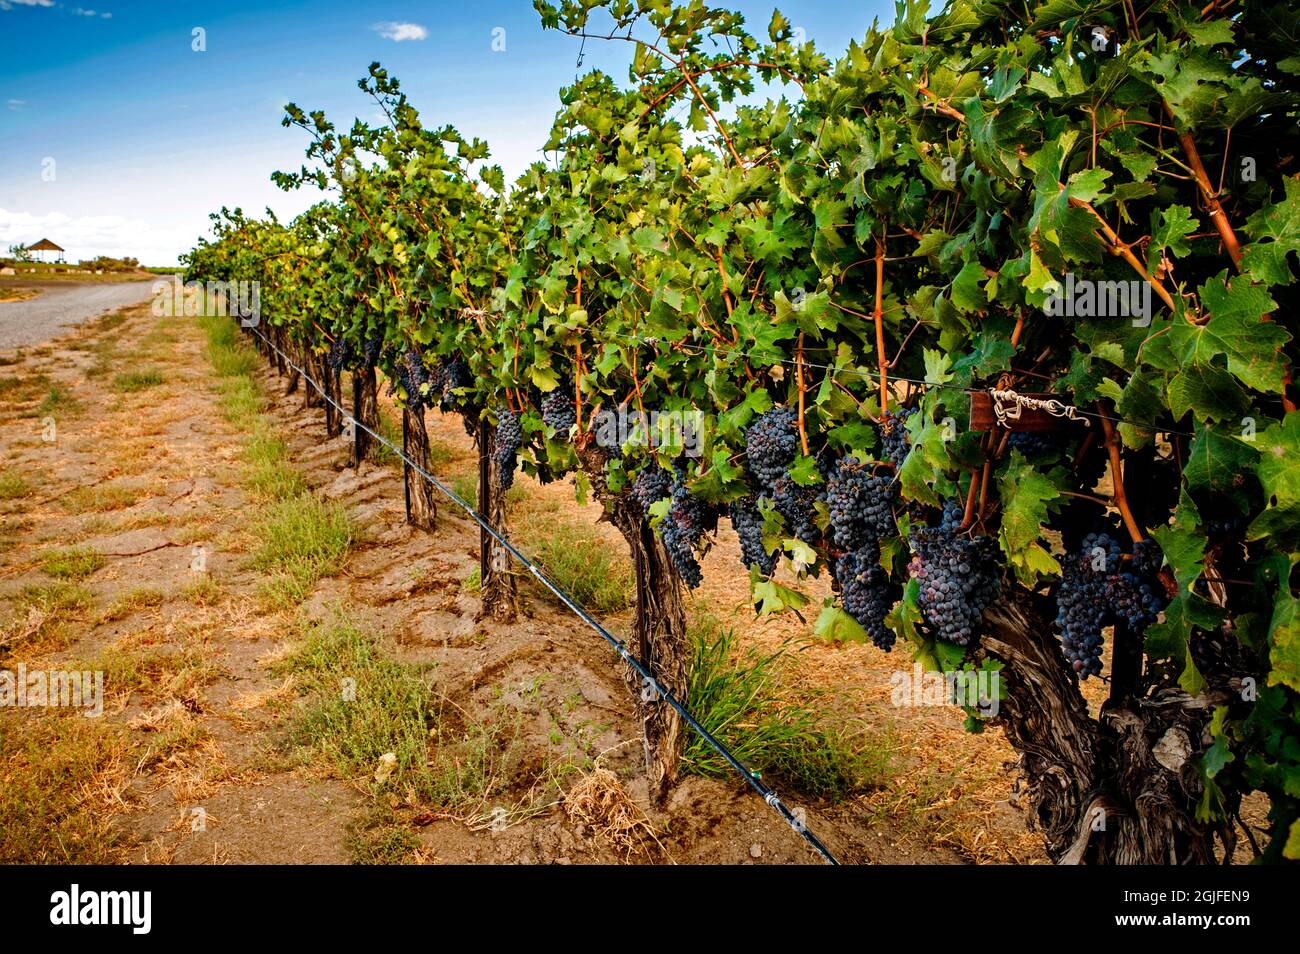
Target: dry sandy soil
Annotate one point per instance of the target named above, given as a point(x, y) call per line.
point(198, 701)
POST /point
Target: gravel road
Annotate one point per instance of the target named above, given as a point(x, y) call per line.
point(61, 305)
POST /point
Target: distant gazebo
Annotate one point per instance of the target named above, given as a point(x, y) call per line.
point(45, 245)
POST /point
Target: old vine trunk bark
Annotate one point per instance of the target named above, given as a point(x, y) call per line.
point(310, 397)
point(365, 411)
point(327, 380)
point(1121, 789)
point(659, 629)
point(292, 384)
point(499, 589)
point(421, 507)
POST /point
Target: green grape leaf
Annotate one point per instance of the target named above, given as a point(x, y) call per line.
point(836, 626)
point(1028, 498)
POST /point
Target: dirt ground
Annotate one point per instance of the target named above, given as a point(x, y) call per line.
point(140, 482)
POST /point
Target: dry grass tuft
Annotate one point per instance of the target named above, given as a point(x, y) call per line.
point(600, 802)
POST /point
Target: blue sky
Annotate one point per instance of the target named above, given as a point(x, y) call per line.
point(117, 138)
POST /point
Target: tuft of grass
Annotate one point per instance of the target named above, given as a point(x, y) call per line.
point(13, 486)
point(104, 353)
point(302, 540)
point(53, 598)
point(575, 557)
point(475, 763)
point(57, 773)
point(270, 473)
point(76, 563)
point(15, 388)
point(230, 355)
point(41, 615)
point(740, 698)
point(361, 704)
point(132, 381)
point(377, 837)
point(98, 498)
point(241, 402)
point(473, 583)
point(143, 597)
point(391, 710)
point(204, 591)
point(58, 400)
point(156, 673)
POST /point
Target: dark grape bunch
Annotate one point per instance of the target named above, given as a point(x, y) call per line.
point(894, 441)
point(861, 504)
point(798, 505)
point(340, 354)
point(505, 447)
point(958, 576)
point(650, 486)
point(412, 375)
point(1033, 444)
point(558, 411)
point(771, 444)
point(452, 375)
point(373, 348)
point(867, 592)
point(748, 522)
point(1099, 587)
point(682, 529)
point(1223, 525)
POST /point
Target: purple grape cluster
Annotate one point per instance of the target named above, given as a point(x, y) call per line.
point(958, 576)
point(340, 354)
point(450, 376)
point(413, 376)
point(861, 504)
point(867, 592)
point(651, 485)
point(1099, 587)
point(1033, 444)
point(373, 348)
point(558, 411)
point(682, 529)
point(798, 505)
point(771, 444)
point(894, 441)
point(748, 523)
point(505, 447)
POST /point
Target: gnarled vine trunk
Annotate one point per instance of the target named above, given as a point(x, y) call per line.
point(311, 365)
point(334, 414)
point(421, 507)
point(499, 590)
point(365, 411)
point(659, 636)
point(1120, 789)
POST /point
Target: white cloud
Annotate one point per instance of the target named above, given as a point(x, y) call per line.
point(47, 4)
point(398, 32)
point(16, 104)
point(87, 236)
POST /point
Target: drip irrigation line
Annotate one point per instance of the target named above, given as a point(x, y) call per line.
point(751, 778)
